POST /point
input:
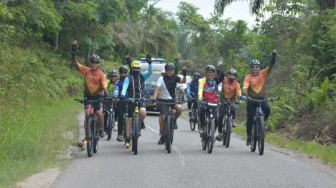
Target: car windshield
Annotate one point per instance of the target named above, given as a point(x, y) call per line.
point(153, 79)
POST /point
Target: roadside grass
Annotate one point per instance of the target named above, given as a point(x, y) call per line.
point(34, 138)
point(327, 153)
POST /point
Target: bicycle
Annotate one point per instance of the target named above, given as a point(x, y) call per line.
point(136, 125)
point(169, 118)
point(208, 139)
point(109, 114)
point(227, 121)
point(194, 119)
point(91, 131)
point(258, 129)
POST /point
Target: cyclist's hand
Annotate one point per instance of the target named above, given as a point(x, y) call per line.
point(149, 59)
point(243, 97)
point(184, 71)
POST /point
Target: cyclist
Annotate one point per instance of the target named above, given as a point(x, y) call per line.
point(254, 86)
point(95, 85)
point(112, 79)
point(207, 91)
point(166, 86)
point(121, 104)
point(134, 86)
point(230, 90)
point(192, 91)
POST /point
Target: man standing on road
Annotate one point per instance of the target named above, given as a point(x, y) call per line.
point(254, 87)
point(95, 85)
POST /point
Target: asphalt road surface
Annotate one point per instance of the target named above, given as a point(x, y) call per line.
point(187, 165)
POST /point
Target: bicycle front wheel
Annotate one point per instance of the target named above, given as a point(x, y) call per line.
point(89, 136)
point(211, 135)
point(261, 135)
point(110, 126)
point(168, 134)
point(135, 135)
point(95, 136)
point(254, 136)
point(228, 132)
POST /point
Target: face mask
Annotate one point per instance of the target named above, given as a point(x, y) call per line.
point(231, 80)
point(136, 72)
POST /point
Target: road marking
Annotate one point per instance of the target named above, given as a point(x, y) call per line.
point(181, 157)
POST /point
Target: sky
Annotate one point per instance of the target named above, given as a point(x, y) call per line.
point(238, 10)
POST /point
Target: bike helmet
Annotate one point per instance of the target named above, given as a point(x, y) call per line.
point(169, 66)
point(163, 71)
point(112, 73)
point(123, 68)
point(95, 58)
point(210, 68)
point(233, 72)
point(196, 75)
point(254, 62)
point(136, 64)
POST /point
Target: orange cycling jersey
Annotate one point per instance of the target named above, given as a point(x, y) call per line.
point(95, 82)
point(255, 85)
point(230, 90)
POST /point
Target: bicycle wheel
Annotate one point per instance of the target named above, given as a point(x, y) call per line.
point(89, 145)
point(228, 132)
point(261, 135)
point(254, 136)
point(135, 135)
point(223, 131)
point(167, 133)
point(124, 126)
point(110, 126)
point(95, 136)
point(211, 135)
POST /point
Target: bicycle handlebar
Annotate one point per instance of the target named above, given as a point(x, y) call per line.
point(89, 101)
point(168, 101)
point(262, 100)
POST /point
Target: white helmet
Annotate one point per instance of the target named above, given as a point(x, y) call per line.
point(163, 70)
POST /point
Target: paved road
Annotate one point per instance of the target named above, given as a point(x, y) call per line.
point(187, 165)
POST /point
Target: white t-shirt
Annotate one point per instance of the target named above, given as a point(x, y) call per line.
point(167, 86)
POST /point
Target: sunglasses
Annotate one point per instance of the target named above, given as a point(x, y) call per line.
point(136, 68)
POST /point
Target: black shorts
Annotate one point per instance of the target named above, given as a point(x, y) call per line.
point(163, 108)
point(97, 106)
point(131, 108)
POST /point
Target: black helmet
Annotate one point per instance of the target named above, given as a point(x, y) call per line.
point(95, 58)
point(196, 75)
point(233, 72)
point(210, 68)
point(112, 73)
point(123, 68)
point(169, 66)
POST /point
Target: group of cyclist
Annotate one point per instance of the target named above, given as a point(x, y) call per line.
point(132, 85)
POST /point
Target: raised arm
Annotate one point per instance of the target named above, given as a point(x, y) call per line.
point(125, 87)
point(74, 53)
point(184, 73)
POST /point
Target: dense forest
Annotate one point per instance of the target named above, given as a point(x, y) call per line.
point(35, 39)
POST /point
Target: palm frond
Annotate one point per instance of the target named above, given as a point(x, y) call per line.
point(221, 4)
